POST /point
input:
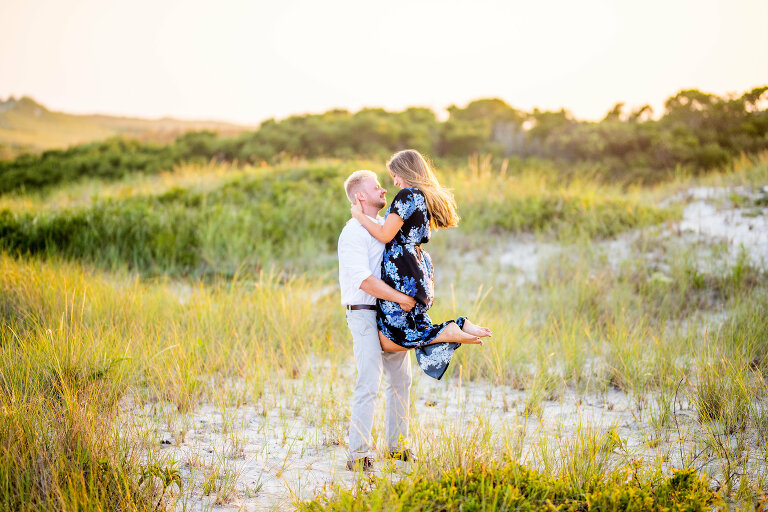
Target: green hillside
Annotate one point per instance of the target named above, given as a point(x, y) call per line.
point(27, 126)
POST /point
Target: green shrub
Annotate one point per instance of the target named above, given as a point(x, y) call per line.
point(507, 485)
point(290, 217)
point(281, 218)
point(698, 132)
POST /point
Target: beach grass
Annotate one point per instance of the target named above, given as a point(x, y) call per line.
point(218, 220)
point(114, 339)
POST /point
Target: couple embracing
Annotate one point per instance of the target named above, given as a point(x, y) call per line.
point(386, 280)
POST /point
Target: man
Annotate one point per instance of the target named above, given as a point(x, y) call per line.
point(359, 276)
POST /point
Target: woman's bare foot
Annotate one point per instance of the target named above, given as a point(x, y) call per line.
point(453, 333)
point(475, 330)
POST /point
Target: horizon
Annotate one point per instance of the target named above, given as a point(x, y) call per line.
point(243, 62)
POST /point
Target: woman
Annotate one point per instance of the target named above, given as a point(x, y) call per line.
point(421, 202)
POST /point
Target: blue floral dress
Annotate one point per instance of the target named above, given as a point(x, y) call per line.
point(408, 268)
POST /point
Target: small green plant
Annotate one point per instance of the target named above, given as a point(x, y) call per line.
point(167, 475)
point(220, 483)
point(722, 396)
point(541, 388)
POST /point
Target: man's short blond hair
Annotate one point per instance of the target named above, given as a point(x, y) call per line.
point(352, 184)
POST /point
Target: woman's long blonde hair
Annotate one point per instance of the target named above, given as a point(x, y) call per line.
point(416, 172)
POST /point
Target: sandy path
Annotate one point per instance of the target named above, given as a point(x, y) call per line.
point(264, 461)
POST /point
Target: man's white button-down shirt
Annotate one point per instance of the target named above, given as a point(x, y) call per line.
point(359, 258)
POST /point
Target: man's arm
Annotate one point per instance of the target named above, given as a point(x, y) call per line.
point(353, 257)
point(372, 285)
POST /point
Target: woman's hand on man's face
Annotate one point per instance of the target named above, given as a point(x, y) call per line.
point(357, 209)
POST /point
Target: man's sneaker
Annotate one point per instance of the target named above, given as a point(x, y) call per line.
point(403, 455)
point(362, 464)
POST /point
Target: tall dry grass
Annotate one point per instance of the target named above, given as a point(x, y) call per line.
point(83, 347)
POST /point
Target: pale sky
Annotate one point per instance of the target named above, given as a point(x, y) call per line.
point(245, 61)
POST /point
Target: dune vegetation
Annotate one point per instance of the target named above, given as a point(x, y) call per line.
point(697, 132)
point(172, 339)
point(255, 216)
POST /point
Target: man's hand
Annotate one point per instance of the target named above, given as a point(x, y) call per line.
point(372, 285)
point(407, 303)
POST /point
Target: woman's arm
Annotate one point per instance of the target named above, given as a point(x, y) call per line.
point(383, 233)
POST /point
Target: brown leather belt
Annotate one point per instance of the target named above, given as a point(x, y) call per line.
point(355, 307)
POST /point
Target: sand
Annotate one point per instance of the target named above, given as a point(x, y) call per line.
point(265, 454)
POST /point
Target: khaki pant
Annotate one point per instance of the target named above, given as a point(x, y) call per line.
point(371, 363)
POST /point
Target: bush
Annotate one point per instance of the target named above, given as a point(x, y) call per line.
point(287, 217)
point(280, 217)
point(698, 131)
point(510, 486)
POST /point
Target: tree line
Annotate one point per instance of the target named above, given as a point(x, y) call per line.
point(697, 131)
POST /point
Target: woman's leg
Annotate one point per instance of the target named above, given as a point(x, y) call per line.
point(387, 345)
point(452, 333)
